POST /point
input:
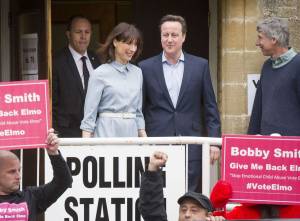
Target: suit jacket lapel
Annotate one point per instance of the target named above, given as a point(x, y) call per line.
point(186, 77)
point(93, 60)
point(74, 71)
point(161, 78)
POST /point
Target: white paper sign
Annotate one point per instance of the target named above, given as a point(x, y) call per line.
point(252, 84)
point(106, 182)
point(29, 54)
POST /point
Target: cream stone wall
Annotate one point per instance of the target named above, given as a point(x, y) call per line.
point(238, 55)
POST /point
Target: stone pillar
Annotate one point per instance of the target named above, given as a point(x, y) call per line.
point(238, 57)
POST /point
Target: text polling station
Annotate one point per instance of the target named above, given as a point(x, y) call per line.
point(107, 178)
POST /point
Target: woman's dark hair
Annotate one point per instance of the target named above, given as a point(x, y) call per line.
point(123, 32)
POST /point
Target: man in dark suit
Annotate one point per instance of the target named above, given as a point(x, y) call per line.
point(71, 68)
point(178, 96)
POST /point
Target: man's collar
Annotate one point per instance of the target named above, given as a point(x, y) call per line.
point(164, 59)
point(283, 59)
point(76, 55)
point(18, 192)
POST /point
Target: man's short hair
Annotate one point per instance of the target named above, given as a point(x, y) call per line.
point(174, 18)
point(201, 199)
point(276, 28)
point(4, 154)
point(75, 17)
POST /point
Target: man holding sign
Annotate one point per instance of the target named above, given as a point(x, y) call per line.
point(192, 205)
point(26, 204)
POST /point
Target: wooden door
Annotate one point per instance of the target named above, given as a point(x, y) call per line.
point(101, 14)
point(147, 15)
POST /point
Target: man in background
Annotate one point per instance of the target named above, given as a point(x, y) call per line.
point(71, 69)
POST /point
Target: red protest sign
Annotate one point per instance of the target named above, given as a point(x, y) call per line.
point(262, 169)
point(24, 114)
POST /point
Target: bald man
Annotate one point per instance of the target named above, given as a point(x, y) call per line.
point(26, 204)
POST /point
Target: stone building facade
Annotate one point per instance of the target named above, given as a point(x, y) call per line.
point(238, 55)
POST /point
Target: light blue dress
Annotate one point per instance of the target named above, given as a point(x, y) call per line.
point(114, 88)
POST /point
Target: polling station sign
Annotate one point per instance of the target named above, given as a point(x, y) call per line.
point(24, 114)
point(262, 169)
point(106, 182)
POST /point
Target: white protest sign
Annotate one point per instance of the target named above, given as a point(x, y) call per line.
point(106, 182)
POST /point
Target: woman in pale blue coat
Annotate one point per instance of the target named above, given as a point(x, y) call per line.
point(113, 104)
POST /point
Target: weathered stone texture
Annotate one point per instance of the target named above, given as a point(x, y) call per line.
point(251, 8)
point(253, 62)
point(286, 12)
point(250, 35)
point(235, 99)
point(234, 9)
point(233, 66)
point(235, 124)
point(234, 38)
point(295, 34)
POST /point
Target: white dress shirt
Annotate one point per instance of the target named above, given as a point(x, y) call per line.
point(78, 62)
point(173, 74)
